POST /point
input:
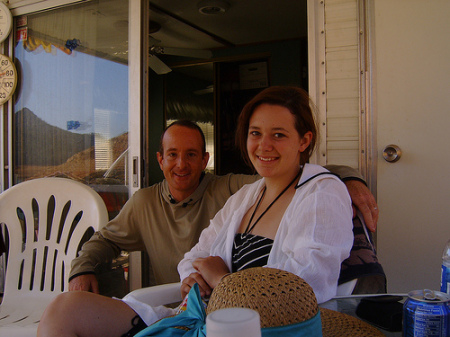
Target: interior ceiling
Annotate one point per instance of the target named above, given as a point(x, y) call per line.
point(244, 22)
point(181, 25)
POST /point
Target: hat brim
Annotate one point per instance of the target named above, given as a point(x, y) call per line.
point(337, 324)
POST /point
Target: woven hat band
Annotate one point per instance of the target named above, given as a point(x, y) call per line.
point(310, 328)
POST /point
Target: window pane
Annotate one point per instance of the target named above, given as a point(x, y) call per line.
point(189, 94)
point(71, 111)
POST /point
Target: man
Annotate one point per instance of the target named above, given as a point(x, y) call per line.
point(166, 219)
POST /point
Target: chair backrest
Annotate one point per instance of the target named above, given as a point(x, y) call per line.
point(46, 220)
point(362, 266)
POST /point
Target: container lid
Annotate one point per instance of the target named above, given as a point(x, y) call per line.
point(429, 296)
point(237, 322)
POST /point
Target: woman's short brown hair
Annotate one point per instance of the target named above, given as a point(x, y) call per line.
point(296, 100)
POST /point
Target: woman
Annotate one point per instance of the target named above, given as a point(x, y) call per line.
point(298, 218)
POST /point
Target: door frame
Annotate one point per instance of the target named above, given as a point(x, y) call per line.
point(317, 40)
point(317, 72)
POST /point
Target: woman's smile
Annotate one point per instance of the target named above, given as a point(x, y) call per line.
point(273, 143)
point(267, 159)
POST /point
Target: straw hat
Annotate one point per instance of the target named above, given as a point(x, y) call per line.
point(282, 298)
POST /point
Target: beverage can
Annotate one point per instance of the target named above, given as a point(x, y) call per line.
point(426, 313)
point(445, 277)
point(445, 270)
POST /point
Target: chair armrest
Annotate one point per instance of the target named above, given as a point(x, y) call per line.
point(158, 295)
point(346, 289)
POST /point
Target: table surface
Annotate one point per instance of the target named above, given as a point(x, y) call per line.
point(347, 305)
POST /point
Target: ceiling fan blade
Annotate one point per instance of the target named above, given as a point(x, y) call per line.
point(157, 65)
point(197, 53)
point(208, 90)
point(152, 40)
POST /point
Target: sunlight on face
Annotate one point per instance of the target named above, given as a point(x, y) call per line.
point(183, 160)
point(273, 143)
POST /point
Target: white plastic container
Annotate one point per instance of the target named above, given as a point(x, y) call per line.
point(235, 322)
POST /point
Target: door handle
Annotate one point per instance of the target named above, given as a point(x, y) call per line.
point(135, 171)
point(392, 153)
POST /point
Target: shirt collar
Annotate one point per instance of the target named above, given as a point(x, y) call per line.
point(205, 179)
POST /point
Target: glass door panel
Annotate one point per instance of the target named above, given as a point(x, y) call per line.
point(189, 94)
point(71, 113)
point(71, 109)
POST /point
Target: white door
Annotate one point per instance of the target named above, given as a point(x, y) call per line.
point(412, 86)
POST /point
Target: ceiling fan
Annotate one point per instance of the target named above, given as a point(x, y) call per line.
point(155, 49)
point(161, 68)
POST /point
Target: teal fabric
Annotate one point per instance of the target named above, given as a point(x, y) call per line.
point(194, 319)
point(310, 328)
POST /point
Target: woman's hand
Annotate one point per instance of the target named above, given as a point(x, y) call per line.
point(212, 269)
point(188, 283)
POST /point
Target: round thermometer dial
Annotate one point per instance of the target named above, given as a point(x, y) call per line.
point(6, 21)
point(8, 78)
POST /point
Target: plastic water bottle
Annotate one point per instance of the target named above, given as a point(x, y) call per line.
point(445, 271)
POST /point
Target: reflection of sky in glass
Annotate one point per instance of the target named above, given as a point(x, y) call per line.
point(65, 90)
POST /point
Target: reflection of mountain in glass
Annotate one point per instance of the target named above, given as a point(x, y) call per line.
point(44, 144)
point(45, 150)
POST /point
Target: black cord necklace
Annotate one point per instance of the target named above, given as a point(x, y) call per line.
point(249, 229)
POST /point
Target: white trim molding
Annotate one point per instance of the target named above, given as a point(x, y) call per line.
point(21, 7)
point(316, 70)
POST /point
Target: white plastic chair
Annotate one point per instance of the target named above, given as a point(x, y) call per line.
point(46, 220)
point(346, 289)
point(158, 295)
point(170, 293)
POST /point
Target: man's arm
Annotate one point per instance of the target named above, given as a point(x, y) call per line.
point(84, 282)
point(345, 172)
point(121, 233)
point(363, 200)
point(97, 250)
point(361, 196)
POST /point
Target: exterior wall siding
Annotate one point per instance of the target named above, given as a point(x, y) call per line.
point(342, 82)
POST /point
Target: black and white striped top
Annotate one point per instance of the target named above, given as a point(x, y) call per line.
point(250, 251)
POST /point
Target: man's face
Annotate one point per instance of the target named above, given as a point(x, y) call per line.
point(182, 160)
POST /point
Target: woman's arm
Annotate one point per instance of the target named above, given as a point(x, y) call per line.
point(189, 271)
point(201, 250)
point(210, 271)
point(210, 259)
point(222, 227)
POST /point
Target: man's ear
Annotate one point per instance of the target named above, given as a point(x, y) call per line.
point(205, 160)
point(159, 158)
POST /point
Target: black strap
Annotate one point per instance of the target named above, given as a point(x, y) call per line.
point(249, 229)
point(138, 325)
point(314, 176)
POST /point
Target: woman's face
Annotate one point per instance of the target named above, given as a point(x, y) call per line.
point(273, 143)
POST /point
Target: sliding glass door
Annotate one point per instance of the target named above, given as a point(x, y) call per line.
point(71, 111)
point(72, 115)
